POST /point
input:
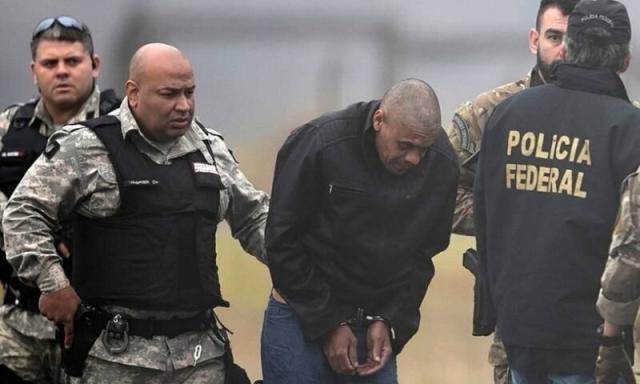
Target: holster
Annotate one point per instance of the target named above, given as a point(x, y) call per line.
point(484, 315)
point(86, 331)
point(233, 373)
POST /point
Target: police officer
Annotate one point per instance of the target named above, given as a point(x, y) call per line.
point(546, 198)
point(362, 200)
point(619, 297)
point(147, 185)
point(65, 70)
point(470, 119)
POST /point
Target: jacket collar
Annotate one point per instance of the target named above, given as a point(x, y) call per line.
point(598, 81)
point(368, 137)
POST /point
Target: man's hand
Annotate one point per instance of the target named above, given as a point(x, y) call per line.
point(60, 307)
point(612, 363)
point(340, 350)
point(379, 347)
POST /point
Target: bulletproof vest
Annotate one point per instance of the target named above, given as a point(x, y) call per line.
point(21, 146)
point(22, 143)
point(158, 250)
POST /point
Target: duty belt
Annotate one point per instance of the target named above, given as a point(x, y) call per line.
point(150, 327)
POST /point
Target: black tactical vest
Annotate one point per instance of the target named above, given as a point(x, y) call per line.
point(22, 143)
point(158, 250)
point(21, 146)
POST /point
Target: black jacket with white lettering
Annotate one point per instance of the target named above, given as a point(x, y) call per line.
point(343, 233)
point(546, 198)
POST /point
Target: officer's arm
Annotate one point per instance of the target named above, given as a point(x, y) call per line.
point(247, 209)
point(464, 134)
point(295, 201)
point(52, 186)
point(5, 122)
point(480, 220)
point(620, 295)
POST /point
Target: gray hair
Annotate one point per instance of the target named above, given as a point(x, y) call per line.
point(591, 50)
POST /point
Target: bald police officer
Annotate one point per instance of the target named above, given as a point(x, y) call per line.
point(147, 186)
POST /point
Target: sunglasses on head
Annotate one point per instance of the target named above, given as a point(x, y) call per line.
point(65, 21)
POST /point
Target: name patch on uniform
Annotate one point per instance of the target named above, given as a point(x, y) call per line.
point(12, 154)
point(141, 183)
point(204, 168)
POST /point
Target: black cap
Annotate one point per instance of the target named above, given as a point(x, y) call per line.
point(608, 14)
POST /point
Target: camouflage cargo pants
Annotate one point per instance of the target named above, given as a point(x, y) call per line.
point(101, 371)
point(498, 359)
point(34, 360)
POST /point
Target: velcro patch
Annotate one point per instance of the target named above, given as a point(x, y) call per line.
point(204, 168)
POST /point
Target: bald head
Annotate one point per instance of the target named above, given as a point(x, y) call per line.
point(414, 102)
point(160, 91)
point(150, 56)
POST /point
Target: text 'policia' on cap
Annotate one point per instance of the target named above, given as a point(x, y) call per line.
point(608, 14)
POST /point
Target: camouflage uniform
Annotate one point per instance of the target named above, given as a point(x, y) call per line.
point(27, 343)
point(465, 134)
point(79, 177)
point(619, 298)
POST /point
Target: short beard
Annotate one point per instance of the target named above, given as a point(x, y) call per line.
point(545, 69)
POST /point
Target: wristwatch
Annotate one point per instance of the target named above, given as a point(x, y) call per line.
point(609, 341)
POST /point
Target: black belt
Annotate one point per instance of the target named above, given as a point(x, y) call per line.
point(148, 328)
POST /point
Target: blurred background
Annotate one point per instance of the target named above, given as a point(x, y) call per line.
point(264, 67)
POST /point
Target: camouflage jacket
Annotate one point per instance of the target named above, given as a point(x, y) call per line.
point(26, 322)
point(465, 134)
point(80, 178)
point(619, 298)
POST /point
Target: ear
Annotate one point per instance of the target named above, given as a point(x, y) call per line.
point(378, 119)
point(132, 91)
point(534, 39)
point(95, 64)
point(33, 74)
point(627, 60)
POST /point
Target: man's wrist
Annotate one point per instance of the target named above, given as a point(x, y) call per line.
point(52, 280)
point(610, 334)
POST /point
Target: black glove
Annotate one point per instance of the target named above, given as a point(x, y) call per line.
point(612, 363)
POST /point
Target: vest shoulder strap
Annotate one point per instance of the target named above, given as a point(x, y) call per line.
point(108, 101)
point(23, 114)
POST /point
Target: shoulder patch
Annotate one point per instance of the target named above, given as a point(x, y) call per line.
point(51, 149)
point(462, 130)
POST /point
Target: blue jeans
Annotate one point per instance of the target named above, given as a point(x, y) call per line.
point(518, 377)
point(287, 358)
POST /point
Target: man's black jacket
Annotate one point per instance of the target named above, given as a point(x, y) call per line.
point(546, 198)
point(343, 233)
